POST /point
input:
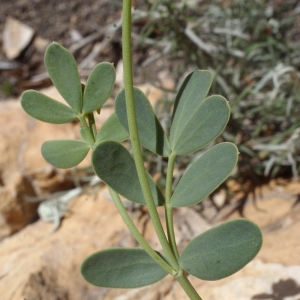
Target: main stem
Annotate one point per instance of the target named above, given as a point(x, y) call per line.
point(139, 162)
point(133, 130)
point(168, 207)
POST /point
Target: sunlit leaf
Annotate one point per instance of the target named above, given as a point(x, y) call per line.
point(112, 130)
point(190, 95)
point(205, 175)
point(222, 251)
point(121, 268)
point(205, 123)
point(46, 109)
point(115, 166)
point(64, 153)
point(98, 87)
point(151, 133)
point(63, 71)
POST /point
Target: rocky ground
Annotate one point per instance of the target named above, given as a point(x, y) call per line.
point(40, 257)
point(39, 263)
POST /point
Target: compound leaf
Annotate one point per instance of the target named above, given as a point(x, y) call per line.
point(112, 130)
point(63, 71)
point(151, 134)
point(115, 166)
point(64, 153)
point(98, 87)
point(46, 109)
point(121, 268)
point(222, 251)
point(205, 123)
point(205, 175)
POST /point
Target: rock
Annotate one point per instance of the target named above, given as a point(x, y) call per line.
point(166, 81)
point(35, 264)
point(153, 93)
point(257, 281)
point(40, 44)
point(119, 74)
point(16, 37)
point(23, 171)
point(219, 198)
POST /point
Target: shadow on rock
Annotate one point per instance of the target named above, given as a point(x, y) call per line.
point(280, 290)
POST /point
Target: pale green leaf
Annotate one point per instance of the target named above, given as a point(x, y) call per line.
point(46, 109)
point(98, 87)
point(115, 166)
point(125, 268)
point(222, 251)
point(64, 153)
point(112, 130)
point(63, 71)
point(84, 135)
point(205, 175)
point(151, 134)
point(206, 123)
point(190, 95)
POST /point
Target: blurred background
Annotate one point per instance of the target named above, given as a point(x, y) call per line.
point(253, 50)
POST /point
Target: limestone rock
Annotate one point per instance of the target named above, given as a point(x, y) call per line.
point(16, 37)
point(35, 264)
point(23, 171)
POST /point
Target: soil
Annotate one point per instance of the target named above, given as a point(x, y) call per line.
point(53, 21)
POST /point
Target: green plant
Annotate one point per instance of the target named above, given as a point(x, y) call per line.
point(196, 121)
point(254, 64)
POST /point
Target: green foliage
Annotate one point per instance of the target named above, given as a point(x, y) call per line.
point(63, 71)
point(46, 109)
point(64, 153)
point(121, 268)
point(151, 134)
point(84, 135)
point(112, 130)
point(207, 122)
point(252, 50)
point(98, 87)
point(205, 175)
point(190, 96)
point(222, 251)
point(115, 166)
point(196, 122)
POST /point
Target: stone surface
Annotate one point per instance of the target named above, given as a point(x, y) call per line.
point(23, 171)
point(37, 264)
point(16, 37)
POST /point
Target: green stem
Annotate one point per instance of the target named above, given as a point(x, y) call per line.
point(92, 124)
point(137, 235)
point(87, 129)
point(168, 207)
point(187, 286)
point(135, 142)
